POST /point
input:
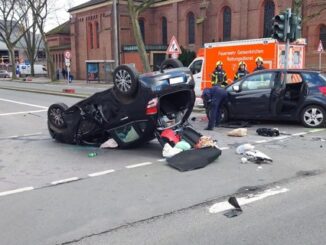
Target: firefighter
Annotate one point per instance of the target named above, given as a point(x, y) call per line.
point(219, 75)
point(259, 64)
point(242, 71)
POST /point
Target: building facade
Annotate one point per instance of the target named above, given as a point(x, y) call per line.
point(192, 22)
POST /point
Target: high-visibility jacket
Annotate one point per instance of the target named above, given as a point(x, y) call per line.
point(259, 68)
point(219, 77)
point(240, 73)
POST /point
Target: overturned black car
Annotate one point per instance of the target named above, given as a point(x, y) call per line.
point(135, 110)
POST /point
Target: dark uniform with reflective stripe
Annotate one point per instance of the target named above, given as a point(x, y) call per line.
point(219, 78)
point(259, 68)
point(240, 73)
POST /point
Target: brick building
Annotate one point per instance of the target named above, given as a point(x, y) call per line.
point(192, 22)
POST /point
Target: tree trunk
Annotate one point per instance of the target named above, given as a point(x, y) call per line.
point(138, 37)
point(32, 67)
point(50, 64)
point(13, 61)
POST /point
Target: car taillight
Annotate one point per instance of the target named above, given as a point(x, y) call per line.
point(322, 90)
point(152, 107)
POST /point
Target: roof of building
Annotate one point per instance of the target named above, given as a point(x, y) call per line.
point(61, 29)
point(95, 2)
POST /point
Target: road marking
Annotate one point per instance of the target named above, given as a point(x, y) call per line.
point(21, 112)
point(282, 137)
point(62, 181)
point(101, 173)
point(22, 103)
point(316, 130)
point(224, 148)
point(27, 135)
point(161, 160)
point(224, 206)
point(5, 193)
point(139, 165)
point(298, 134)
point(261, 141)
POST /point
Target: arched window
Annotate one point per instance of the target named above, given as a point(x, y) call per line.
point(322, 34)
point(269, 12)
point(142, 28)
point(191, 28)
point(97, 35)
point(90, 35)
point(227, 24)
point(164, 30)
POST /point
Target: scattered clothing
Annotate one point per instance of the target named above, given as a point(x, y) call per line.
point(239, 132)
point(110, 143)
point(169, 151)
point(268, 132)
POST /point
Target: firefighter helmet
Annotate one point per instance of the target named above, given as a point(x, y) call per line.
point(259, 59)
point(219, 63)
point(242, 63)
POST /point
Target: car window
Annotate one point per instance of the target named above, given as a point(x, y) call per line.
point(314, 79)
point(293, 78)
point(196, 66)
point(258, 81)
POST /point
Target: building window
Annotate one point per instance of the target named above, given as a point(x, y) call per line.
point(90, 36)
point(164, 30)
point(142, 28)
point(269, 12)
point(96, 35)
point(322, 34)
point(227, 24)
point(191, 28)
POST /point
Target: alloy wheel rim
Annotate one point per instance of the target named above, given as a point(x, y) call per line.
point(313, 117)
point(123, 80)
point(56, 116)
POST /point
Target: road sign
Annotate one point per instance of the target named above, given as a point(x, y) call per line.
point(67, 54)
point(174, 47)
point(320, 47)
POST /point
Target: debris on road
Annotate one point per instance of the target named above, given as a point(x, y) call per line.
point(110, 143)
point(237, 209)
point(257, 157)
point(241, 149)
point(238, 132)
point(268, 132)
point(92, 154)
point(169, 151)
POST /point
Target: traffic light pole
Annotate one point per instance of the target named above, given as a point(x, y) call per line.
point(287, 31)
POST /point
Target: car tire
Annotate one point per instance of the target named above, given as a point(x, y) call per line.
point(170, 64)
point(313, 116)
point(55, 115)
point(125, 80)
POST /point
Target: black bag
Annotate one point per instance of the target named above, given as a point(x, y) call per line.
point(190, 135)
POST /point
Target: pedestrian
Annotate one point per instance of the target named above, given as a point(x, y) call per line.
point(58, 73)
point(242, 71)
point(219, 76)
point(259, 64)
point(64, 73)
point(217, 96)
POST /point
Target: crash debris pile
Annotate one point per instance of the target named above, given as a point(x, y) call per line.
point(187, 149)
point(270, 132)
point(250, 154)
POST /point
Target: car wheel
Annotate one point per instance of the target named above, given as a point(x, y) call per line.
point(313, 116)
point(125, 80)
point(224, 115)
point(55, 115)
point(170, 64)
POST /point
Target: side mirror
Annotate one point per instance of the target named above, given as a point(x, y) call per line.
point(236, 88)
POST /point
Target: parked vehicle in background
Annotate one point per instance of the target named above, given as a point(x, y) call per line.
point(39, 70)
point(291, 95)
point(232, 52)
point(4, 74)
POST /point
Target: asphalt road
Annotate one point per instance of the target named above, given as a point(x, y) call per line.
point(133, 197)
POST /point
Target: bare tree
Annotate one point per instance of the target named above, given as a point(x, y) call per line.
point(297, 6)
point(40, 10)
point(12, 13)
point(134, 10)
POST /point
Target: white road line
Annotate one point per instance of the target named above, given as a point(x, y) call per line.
point(282, 137)
point(27, 135)
point(161, 160)
point(224, 206)
point(139, 165)
point(21, 112)
point(5, 193)
point(101, 173)
point(22, 103)
point(261, 141)
point(57, 182)
point(224, 148)
point(316, 130)
point(298, 134)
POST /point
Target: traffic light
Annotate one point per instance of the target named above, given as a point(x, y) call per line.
point(295, 28)
point(279, 27)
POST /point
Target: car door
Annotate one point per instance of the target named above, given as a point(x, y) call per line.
point(196, 68)
point(250, 97)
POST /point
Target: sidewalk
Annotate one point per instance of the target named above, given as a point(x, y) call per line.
point(77, 88)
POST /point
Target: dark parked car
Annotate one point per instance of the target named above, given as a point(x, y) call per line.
point(4, 74)
point(135, 110)
point(292, 95)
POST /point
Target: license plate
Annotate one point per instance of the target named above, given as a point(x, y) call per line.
point(176, 80)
